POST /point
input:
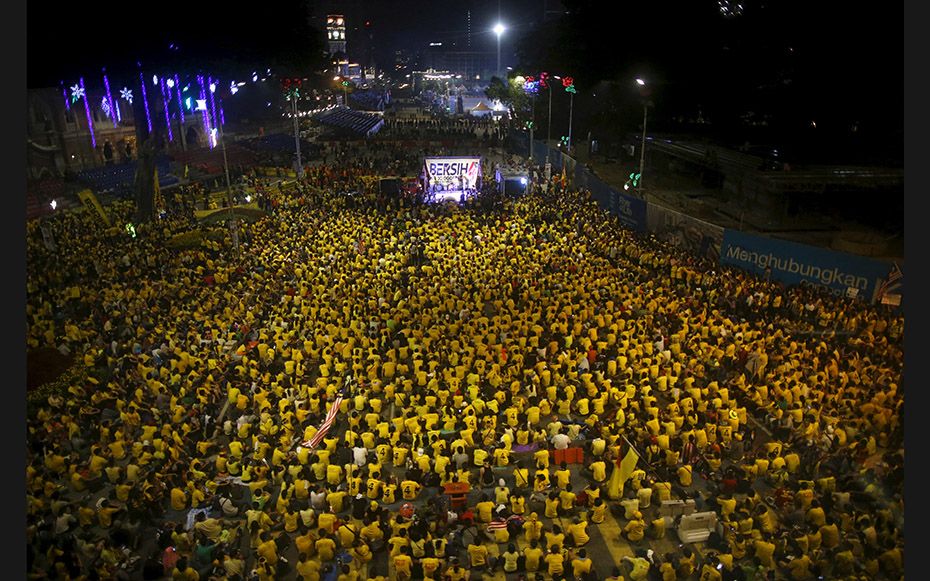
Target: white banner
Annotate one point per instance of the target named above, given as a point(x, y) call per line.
point(444, 174)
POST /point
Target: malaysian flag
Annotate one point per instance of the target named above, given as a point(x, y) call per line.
point(891, 282)
point(325, 426)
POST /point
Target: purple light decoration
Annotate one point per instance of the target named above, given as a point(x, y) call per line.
point(119, 118)
point(113, 114)
point(222, 116)
point(177, 87)
point(206, 114)
point(145, 102)
point(212, 102)
point(90, 120)
point(64, 92)
point(164, 99)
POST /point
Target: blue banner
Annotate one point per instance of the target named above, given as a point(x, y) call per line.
point(630, 210)
point(793, 263)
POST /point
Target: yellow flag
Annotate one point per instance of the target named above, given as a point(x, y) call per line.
point(89, 200)
point(628, 464)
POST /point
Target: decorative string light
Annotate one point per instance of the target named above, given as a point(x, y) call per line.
point(145, 102)
point(90, 120)
point(64, 92)
point(206, 114)
point(212, 102)
point(177, 87)
point(77, 91)
point(112, 110)
point(164, 99)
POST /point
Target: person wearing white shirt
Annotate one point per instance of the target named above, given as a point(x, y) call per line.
point(360, 455)
point(561, 441)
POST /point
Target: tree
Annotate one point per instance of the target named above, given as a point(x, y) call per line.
point(510, 93)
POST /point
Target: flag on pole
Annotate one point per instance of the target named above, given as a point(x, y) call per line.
point(891, 282)
point(325, 426)
point(628, 463)
point(624, 466)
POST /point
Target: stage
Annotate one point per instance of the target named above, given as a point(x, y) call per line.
point(452, 179)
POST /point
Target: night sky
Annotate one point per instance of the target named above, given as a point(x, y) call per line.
point(203, 29)
point(791, 61)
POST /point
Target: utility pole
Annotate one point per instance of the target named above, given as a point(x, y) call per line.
point(300, 167)
point(642, 149)
point(233, 232)
point(549, 124)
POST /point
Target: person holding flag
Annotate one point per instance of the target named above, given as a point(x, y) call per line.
point(891, 282)
point(624, 465)
point(328, 422)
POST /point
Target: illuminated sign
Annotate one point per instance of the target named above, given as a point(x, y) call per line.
point(452, 173)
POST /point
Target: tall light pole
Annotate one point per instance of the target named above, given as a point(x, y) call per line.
point(549, 123)
point(569, 84)
point(642, 149)
point(300, 166)
point(499, 31)
point(233, 231)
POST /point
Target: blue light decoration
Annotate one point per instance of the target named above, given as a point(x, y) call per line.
point(64, 92)
point(531, 86)
point(126, 94)
point(145, 102)
point(206, 114)
point(164, 99)
point(222, 116)
point(177, 87)
point(112, 109)
point(90, 120)
point(119, 118)
point(213, 84)
point(77, 91)
point(105, 107)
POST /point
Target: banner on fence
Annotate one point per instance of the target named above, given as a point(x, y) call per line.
point(793, 263)
point(684, 231)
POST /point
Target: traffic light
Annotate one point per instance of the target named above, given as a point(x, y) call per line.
point(633, 181)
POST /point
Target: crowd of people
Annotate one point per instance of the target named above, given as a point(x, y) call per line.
point(306, 407)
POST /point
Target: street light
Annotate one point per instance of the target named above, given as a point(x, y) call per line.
point(499, 30)
point(642, 149)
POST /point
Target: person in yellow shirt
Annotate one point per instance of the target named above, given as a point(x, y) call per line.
point(402, 563)
point(578, 532)
point(430, 564)
point(478, 555)
point(635, 529)
point(455, 572)
point(410, 489)
point(325, 546)
point(555, 561)
point(485, 506)
point(582, 565)
point(308, 567)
